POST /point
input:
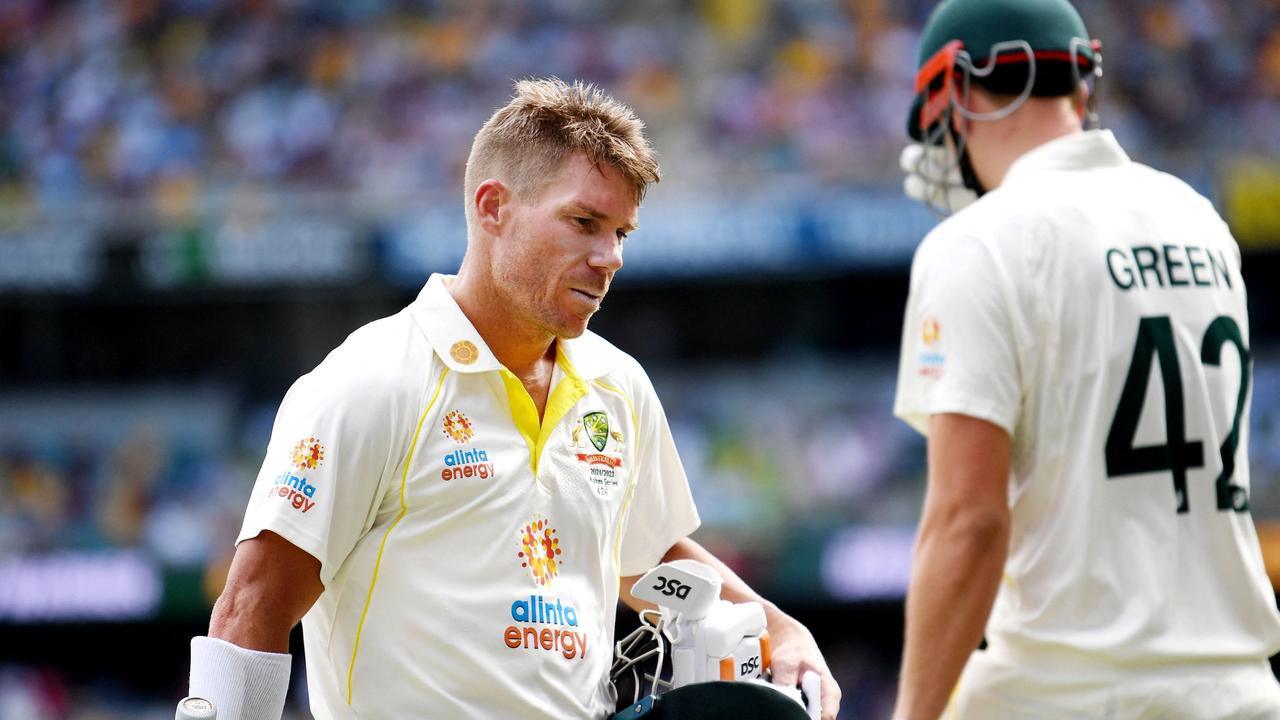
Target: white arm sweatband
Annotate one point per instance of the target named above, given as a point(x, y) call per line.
point(243, 684)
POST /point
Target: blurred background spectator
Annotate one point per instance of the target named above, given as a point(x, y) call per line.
point(171, 103)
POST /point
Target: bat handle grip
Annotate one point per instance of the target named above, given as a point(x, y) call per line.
point(195, 708)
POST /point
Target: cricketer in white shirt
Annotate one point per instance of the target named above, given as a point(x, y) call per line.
point(454, 501)
point(1093, 308)
point(470, 560)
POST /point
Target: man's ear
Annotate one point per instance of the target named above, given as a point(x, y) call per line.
point(1080, 99)
point(492, 204)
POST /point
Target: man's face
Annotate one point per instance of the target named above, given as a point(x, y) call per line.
point(554, 262)
point(982, 138)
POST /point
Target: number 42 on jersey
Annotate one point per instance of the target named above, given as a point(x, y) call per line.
point(1177, 454)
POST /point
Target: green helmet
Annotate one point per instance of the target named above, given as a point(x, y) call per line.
point(1012, 47)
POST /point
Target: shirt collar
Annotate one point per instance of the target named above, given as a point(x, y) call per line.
point(450, 333)
point(1079, 151)
point(588, 356)
point(461, 348)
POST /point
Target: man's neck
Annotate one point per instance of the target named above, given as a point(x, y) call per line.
point(527, 352)
point(1039, 122)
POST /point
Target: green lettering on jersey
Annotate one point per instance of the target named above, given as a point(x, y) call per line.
point(1124, 268)
point(1221, 331)
point(1171, 265)
point(1220, 266)
point(1152, 263)
point(1191, 260)
point(1155, 340)
point(1177, 455)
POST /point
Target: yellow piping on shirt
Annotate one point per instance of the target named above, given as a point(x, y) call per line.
point(631, 486)
point(404, 508)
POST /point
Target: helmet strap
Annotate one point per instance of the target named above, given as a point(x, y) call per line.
point(967, 174)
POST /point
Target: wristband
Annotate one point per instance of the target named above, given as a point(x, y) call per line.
point(242, 684)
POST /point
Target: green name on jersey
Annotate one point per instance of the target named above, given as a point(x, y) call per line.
point(1146, 266)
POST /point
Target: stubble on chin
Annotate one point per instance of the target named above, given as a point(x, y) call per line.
point(572, 333)
point(547, 313)
point(569, 326)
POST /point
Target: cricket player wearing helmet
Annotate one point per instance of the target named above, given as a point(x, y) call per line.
point(1076, 349)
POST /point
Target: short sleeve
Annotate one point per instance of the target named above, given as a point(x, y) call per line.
point(959, 351)
point(322, 479)
point(662, 510)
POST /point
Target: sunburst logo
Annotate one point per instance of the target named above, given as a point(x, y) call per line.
point(540, 551)
point(308, 454)
point(458, 427)
point(931, 331)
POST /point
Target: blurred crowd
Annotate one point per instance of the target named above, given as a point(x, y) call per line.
point(173, 102)
point(161, 470)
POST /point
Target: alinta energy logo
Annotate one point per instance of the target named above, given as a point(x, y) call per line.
point(464, 463)
point(602, 466)
point(543, 623)
point(458, 427)
point(931, 360)
point(540, 551)
point(308, 454)
point(295, 488)
point(931, 331)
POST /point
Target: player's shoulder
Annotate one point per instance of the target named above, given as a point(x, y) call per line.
point(596, 359)
point(1170, 191)
point(389, 342)
point(376, 364)
point(977, 228)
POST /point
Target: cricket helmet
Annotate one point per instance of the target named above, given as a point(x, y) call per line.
point(1008, 47)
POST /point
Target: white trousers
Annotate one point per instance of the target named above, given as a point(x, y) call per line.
point(992, 688)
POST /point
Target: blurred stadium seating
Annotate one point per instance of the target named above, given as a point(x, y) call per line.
point(199, 198)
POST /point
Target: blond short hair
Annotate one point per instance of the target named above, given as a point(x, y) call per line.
point(548, 120)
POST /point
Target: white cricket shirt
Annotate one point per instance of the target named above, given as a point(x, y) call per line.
point(470, 554)
point(1094, 309)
